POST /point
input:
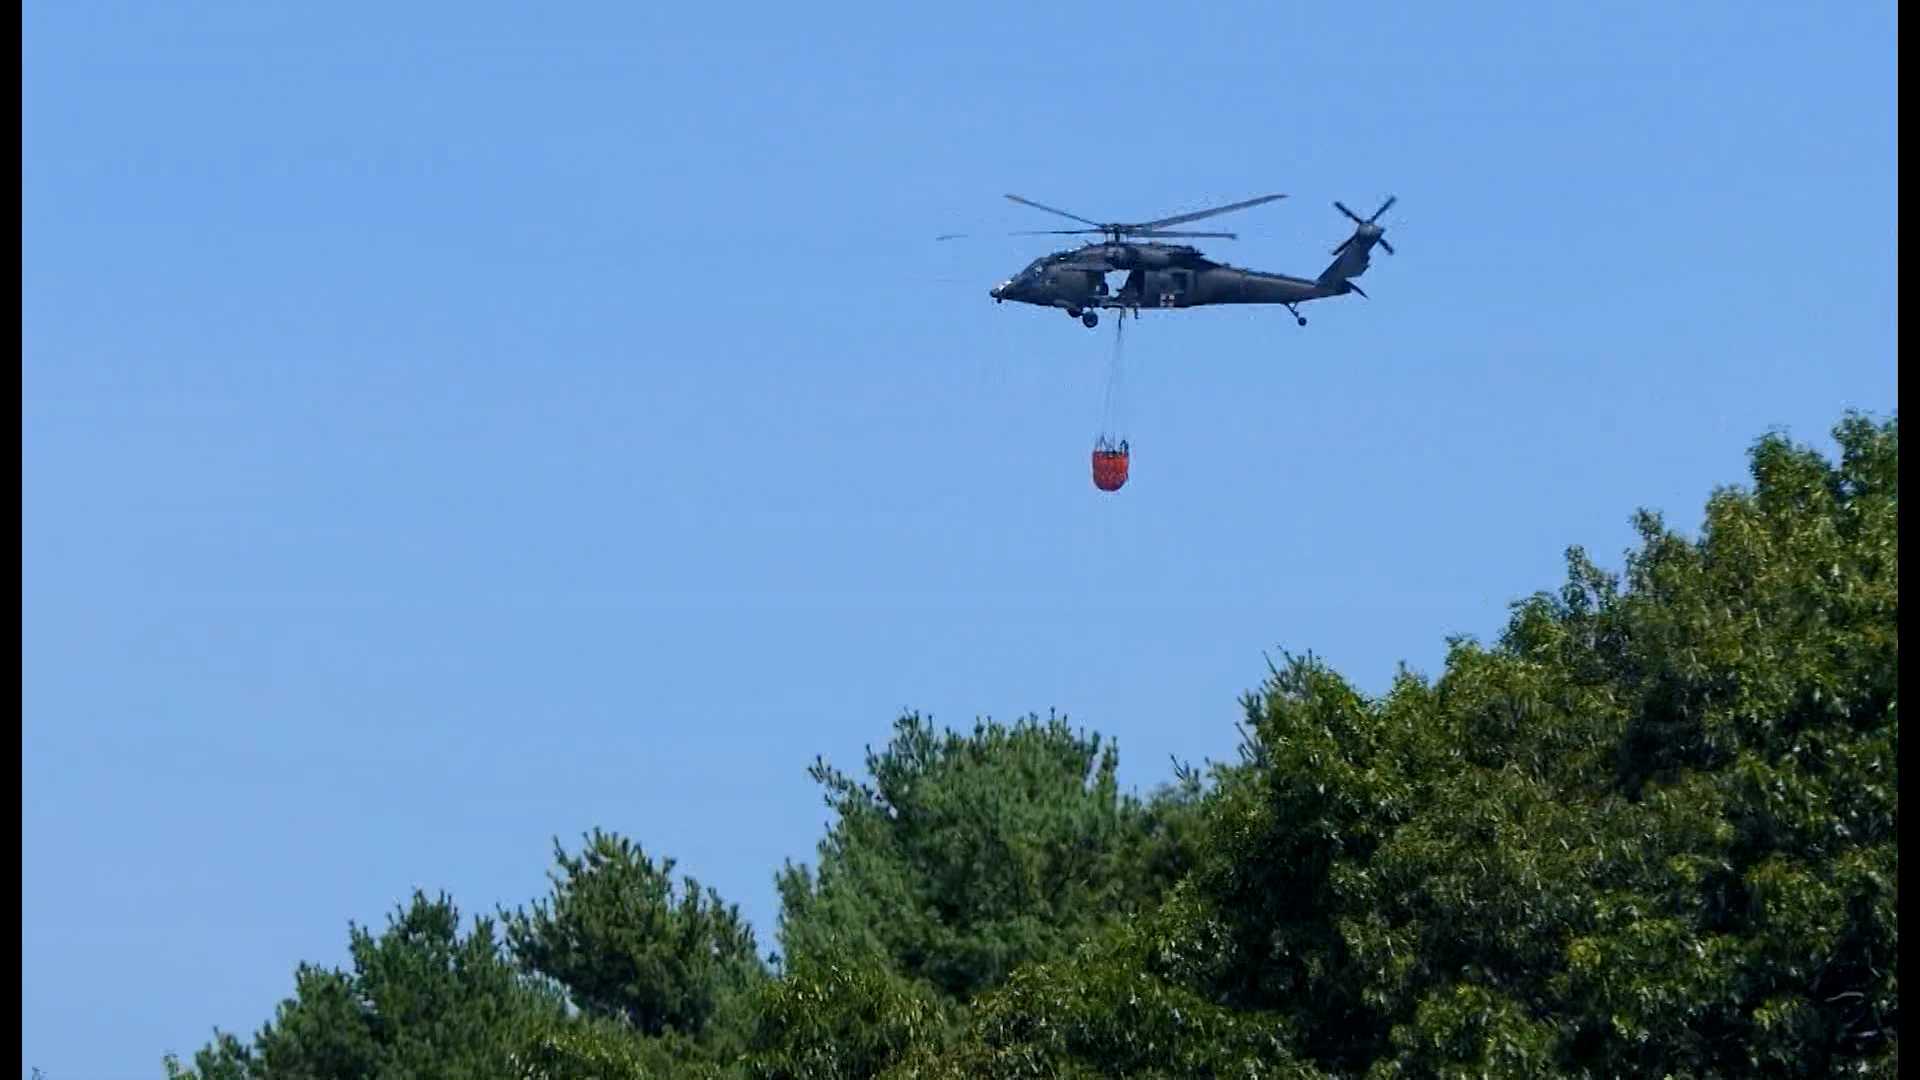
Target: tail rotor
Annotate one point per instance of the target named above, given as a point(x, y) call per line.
point(1367, 225)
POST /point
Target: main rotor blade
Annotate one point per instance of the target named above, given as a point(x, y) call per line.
point(1145, 234)
point(1391, 199)
point(1388, 246)
point(1198, 214)
point(1051, 210)
point(1342, 207)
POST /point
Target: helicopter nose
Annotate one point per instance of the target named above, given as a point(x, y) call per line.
point(997, 290)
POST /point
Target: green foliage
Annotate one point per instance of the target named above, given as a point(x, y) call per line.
point(617, 936)
point(590, 1048)
point(968, 856)
point(1465, 1031)
point(1109, 1011)
point(1650, 831)
point(420, 1002)
point(838, 1020)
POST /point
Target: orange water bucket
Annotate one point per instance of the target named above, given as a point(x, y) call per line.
point(1109, 468)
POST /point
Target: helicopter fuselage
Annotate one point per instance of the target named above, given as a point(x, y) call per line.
point(1157, 276)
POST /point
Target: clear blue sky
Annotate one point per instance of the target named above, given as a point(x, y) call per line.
point(447, 426)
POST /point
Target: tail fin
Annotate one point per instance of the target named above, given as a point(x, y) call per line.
point(1349, 261)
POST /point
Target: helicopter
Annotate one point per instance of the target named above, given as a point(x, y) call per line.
point(1176, 275)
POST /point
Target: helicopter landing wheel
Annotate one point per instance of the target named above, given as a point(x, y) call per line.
point(1301, 319)
point(1091, 319)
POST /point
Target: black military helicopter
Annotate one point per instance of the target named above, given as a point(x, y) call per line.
point(1176, 275)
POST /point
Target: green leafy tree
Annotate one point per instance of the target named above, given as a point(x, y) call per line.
point(1651, 831)
point(1110, 1009)
point(627, 944)
point(842, 1020)
point(969, 855)
point(592, 1048)
point(420, 1002)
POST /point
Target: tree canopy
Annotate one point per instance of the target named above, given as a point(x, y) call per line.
point(964, 857)
point(421, 1001)
point(1648, 829)
point(627, 945)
